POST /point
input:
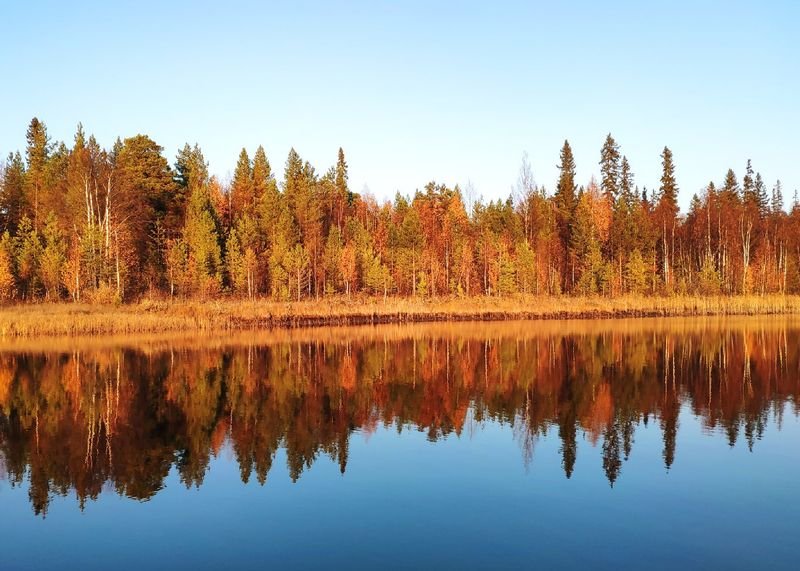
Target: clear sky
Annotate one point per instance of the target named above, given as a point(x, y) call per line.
point(416, 91)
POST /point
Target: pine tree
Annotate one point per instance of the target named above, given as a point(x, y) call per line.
point(142, 196)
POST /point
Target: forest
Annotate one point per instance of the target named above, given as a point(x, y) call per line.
point(96, 225)
point(81, 421)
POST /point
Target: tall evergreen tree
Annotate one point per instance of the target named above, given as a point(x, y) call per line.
point(242, 193)
point(142, 197)
point(610, 169)
point(7, 278)
point(53, 258)
point(668, 191)
point(667, 210)
point(263, 180)
point(566, 202)
point(343, 197)
point(777, 198)
point(749, 193)
point(191, 172)
point(762, 199)
point(203, 244)
point(37, 154)
point(13, 203)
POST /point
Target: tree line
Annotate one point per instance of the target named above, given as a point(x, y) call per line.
point(92, 224)
point(81, 421)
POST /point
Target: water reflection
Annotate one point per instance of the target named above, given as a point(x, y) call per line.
point(84, 417)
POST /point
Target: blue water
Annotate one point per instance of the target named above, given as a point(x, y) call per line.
point(460, 502)
point(424, 447)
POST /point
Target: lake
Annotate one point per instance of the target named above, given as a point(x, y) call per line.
point(659, 444)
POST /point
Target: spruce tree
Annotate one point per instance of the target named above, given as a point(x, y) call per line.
point(730, 186)
point(263, 181)
point(777, 198)
point(667, 213)
point(626, 181)
point(28, 254)
point(234, 261)
point(191, 172)
point(762, 200)
point(53, 257)
point(566, 189)
point(202, 244)
point(565, 201)
point(293, 178)
point(636, 273)
point(668, 192)
point(610, 169)
point(37, 154)
point(242, 192)
point(13, 204)
point(749, 192)
point(7, 281)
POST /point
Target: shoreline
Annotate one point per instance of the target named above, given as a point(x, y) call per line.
point(180, 316)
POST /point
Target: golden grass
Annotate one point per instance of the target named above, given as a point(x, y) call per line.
point(65, 319)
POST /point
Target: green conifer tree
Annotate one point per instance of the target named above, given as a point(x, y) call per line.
point(53, 258)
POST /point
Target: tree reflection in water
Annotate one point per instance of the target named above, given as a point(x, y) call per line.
point(84, 417)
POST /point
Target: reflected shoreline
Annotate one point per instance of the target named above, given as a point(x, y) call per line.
point(85, 415)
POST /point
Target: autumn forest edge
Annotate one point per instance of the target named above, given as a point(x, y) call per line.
point(96, 225)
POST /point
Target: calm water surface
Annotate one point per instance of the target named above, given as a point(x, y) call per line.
point(626, 444)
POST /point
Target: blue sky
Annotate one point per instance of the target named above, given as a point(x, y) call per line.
point(417, 91)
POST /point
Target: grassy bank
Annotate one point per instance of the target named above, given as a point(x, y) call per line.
point(226, 315)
